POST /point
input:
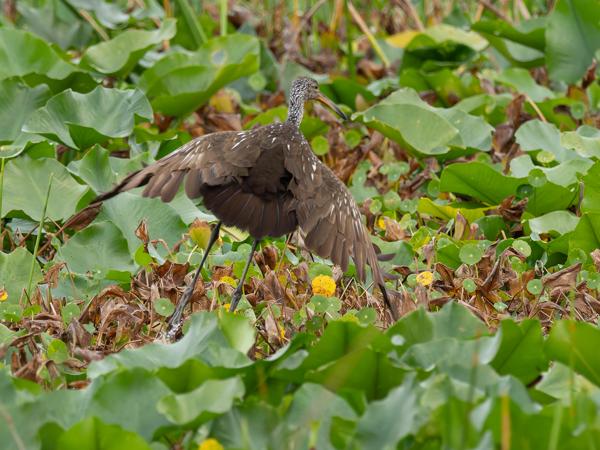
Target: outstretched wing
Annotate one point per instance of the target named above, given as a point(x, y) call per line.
point(328, 215)
point(203, 161)
point(241, 177)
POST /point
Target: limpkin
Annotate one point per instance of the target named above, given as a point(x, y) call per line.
point(268, 182)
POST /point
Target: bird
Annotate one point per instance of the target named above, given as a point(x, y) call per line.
point(268, 182)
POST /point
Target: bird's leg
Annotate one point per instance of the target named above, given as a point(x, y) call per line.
point(237, 294)
point(176, 319)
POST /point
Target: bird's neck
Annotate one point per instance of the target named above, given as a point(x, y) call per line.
point(295, 111)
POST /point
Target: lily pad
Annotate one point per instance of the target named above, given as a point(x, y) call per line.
point(183, 81)
point(81, 120)
point(120, 55)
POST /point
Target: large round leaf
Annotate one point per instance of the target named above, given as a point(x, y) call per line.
point(183, 81)
point(17, 102)
point(24, 55)
point(120, 55)
point(14, 273)
point(407, 119)
point(110, 250)
point(572, 37)
point(81, 120)
point(26, 184)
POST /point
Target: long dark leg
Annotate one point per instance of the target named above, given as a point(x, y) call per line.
point(237, 294)
point(388, 304)
point(176, 319)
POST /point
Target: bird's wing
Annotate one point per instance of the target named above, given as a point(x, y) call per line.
point(214, 159)
point(328, 215)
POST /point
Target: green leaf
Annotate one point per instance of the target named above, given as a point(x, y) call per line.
point(478, 180)
point(109, 14)
point(379, 428)
point(81, 120)
point(94, 169)
point(164, 307)
point(585, 141)
point(320, 145)
point(522, 81)
point(586, 235)
point(537, 135)
point(469, 285)
point(111, 251)
point(482, 182)
point(238, 330)
point(58, 351)
point(183, 81)
point(560, 222)
point(470, 254)
point(24, 55)
point(17, 102)
point(591, 192)
point(405, 118)
point(93, 434)
point(212, 398)
point(120, 55)
point(26, 185)
point(127, 210)
point(572, 38)
point(447, 212)
point(575, 344)
point(14, 273)
point(522, 247)
point(205, 340)
point(535, 287)
point(529, 32)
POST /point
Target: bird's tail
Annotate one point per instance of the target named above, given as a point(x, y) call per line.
point(378, 277)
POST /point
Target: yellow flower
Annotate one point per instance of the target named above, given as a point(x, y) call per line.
point(210, 444)
point(381, 223)
point(228, 280)
point(425, 278)
point(226, 306)
point(282, 333)
point(323, 285)
point(3, 295)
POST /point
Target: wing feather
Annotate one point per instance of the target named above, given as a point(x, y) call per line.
point(328, 215)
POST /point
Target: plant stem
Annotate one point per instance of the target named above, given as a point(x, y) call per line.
point(365, 29)
point(39, 236)
point(223, 17)
point(191, 21)
point(350, 56)
point(1, 191)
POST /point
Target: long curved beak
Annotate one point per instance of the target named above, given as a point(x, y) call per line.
point(322, 99)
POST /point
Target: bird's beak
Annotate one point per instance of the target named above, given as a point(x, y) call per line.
point(322, 99)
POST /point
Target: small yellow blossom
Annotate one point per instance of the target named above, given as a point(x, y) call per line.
point(210, 444)
point(425, 278)
point(3, 295)
point(323, 285)
point(228, 280)
point(381, 223)
point(226, 306)
point(282, 333)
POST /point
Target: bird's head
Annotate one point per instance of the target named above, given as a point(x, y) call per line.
point(305, 89)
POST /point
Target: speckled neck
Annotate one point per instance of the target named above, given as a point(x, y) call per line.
point(296, 108)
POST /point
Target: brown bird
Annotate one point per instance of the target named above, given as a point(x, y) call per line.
point(268, 182)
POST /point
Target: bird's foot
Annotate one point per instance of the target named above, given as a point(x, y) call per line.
point(176, 320)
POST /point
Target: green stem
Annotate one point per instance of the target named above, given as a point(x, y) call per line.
point(192, 22)
point(1, 191)
point(39, 236)
point(223, 17)
point(350, 56)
